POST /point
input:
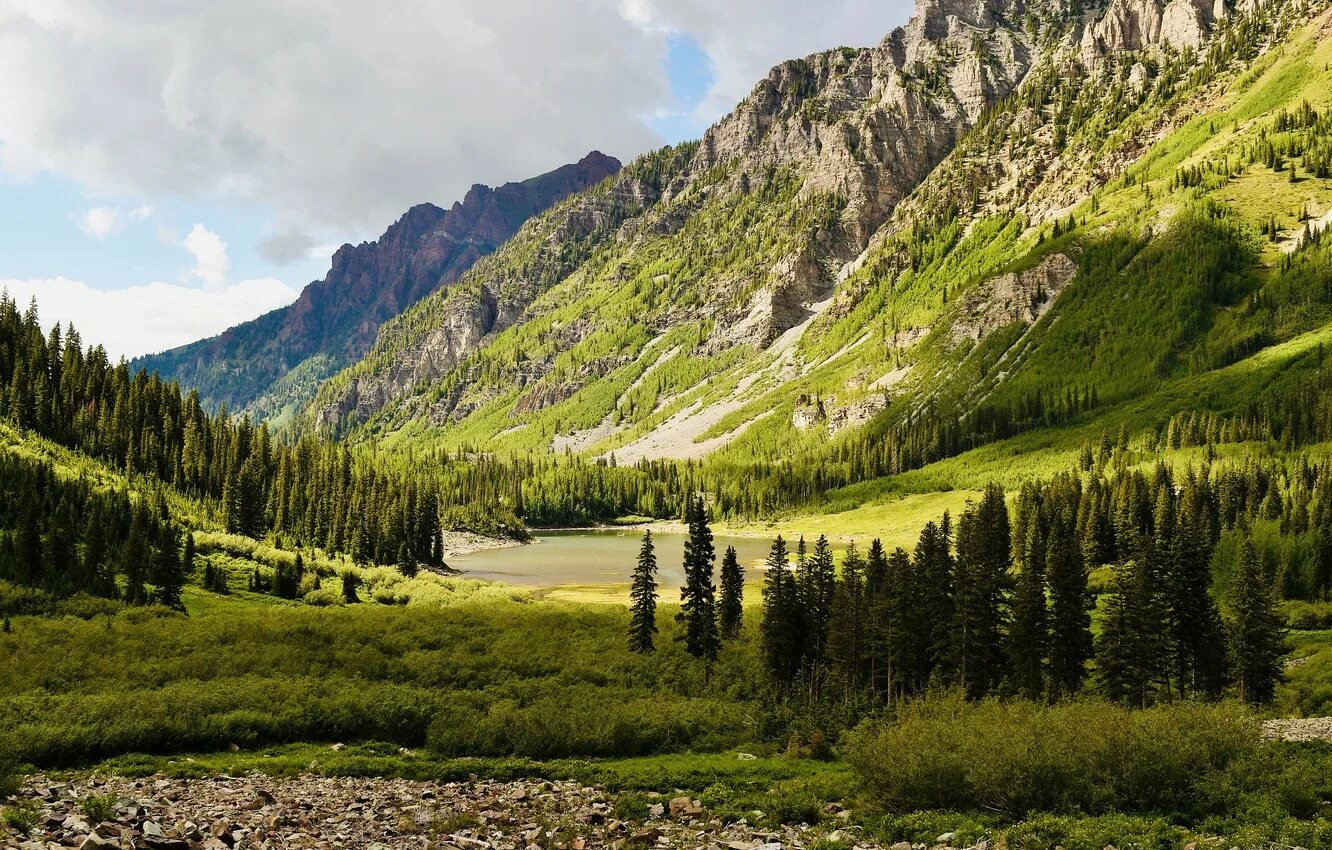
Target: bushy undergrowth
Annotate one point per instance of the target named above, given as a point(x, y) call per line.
point(1089, 757)
point(501, 679)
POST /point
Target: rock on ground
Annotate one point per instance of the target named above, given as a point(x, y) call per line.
point(267, 813)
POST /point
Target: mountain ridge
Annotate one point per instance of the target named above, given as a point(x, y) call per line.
point(336, 319)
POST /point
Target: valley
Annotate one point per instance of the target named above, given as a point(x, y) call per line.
point(937, 453)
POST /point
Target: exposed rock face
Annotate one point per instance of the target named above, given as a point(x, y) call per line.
point(338, 318)
point(1132, 25)
point(866, 125)
point(1023, 297)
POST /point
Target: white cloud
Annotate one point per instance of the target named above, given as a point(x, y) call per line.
point(210, 257)
point(152, 317)
point(338, 116)
point(101, 222)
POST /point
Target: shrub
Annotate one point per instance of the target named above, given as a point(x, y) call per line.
point(99, 808)
point(9, 772)
point(630, 807)
point(1308, 616)
point(1015, 757)
point(21, 817)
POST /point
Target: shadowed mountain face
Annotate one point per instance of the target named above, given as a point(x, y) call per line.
point(268, 364)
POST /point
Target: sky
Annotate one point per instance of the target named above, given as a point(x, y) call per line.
point(168, 170)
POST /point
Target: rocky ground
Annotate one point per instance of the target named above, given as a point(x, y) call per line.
point(239, 813)
point(1299, 729)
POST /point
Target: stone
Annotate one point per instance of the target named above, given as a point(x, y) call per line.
point(685, 807)
point(946, 838)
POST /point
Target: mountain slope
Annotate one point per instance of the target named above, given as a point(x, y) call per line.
point(731, 237)
point(1008, 216)
point(267, 364)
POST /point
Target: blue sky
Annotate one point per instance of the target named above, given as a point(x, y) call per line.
point(167, 173)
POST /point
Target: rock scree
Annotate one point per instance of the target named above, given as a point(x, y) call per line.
point(270, 813)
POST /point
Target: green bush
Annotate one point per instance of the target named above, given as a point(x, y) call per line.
point(1308, 616)
point(99, 808)
point(1013, 757)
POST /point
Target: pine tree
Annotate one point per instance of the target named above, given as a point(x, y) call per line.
point(1133, 656)
point(1256, 637)
point(643, 599)
point(1029, 634)
point(698, 605)
point(732, 606)
point(350, 584)
point(847, 622)
point(1198, 632)
point(1070, 609)
point(134, 559)
point(781, 627)
point(876, 618)
point(168, 575)
point(935, 568)
point(406, 563)
point(817, 581)
point(983, 559)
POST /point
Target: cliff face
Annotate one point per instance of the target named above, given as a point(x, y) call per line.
point(861, 126)
point(811, 243)
point(264, 364)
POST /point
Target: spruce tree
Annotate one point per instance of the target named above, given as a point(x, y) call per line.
point(781, 626)
point(817, 581)
point(848, 620)
point(732, 607)
point(1029, 634)
point(643, 598)
point(908, 652)
point(877, 622)
point(1133, 656)
point(1070, 609)
point(1198, 631)
point(935, 571)
point(168, 574)
point(983, 559)
point(1256, 636)
point(698, 605)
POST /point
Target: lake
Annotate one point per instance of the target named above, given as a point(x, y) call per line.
point(595, 558)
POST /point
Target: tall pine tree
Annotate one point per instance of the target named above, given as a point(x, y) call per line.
point(643, 598)
point(732, 607)
point(1257, 639)
point(698, 604)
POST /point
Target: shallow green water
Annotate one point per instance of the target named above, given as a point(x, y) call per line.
point(594, 557)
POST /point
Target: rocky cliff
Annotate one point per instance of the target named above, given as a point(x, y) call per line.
point(261, 365)
point(838, 210)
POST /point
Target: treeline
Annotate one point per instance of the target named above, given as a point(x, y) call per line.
point(1001, 605)
point(63, 537)
point(314, 493)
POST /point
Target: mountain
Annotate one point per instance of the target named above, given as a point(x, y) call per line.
point(269, 364)
point(926, 234)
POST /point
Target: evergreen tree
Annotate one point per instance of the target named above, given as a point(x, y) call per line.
point(698, 606)
point(1198, 632)
point(168, 575)
point(877, 628)
point(732, 606)
point(849, 615)
point(406, 563)
point(1133, 656)
point(350, 584)
point(134, 559)
point(1029, 634)
point(1257, 638)
point(1070, 609)
point(817, 581)
point(782, 637)
point(983, 559)
point(935, 572)
point(643, 599)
